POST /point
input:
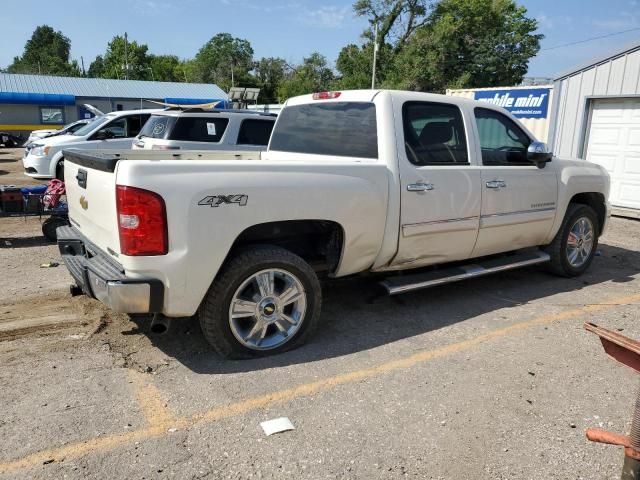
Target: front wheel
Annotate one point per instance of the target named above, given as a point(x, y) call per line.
point(266, 300)
point(575, 244)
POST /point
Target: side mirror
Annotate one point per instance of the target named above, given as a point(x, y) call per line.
point(539, 153)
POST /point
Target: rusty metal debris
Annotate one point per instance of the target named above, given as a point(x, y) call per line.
point(626, 351)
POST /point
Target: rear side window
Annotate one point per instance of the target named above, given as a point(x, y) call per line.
point(158, 126)
point(434, 134)
point(199, 129)
point(344, 129)
point(255, 132)
point(501, 140)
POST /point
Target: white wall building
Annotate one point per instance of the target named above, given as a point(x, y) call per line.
point(597, 117)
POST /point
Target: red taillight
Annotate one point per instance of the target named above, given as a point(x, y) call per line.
point(142, 222)
point(326, 95)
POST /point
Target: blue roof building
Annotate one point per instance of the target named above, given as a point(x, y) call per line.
point(29, 102)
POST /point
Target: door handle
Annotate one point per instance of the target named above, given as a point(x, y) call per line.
point(496, 184)
point(419, 187)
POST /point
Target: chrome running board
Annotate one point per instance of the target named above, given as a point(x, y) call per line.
point(417, 281)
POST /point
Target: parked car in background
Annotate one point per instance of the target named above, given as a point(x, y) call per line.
point(44, 158)
point(45, 133)
point(9, 140)
point(70, 128)
point(370, 181)
point(198, 129)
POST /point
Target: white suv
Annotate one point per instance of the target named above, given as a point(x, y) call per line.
point(43, 158)
point(198, 129)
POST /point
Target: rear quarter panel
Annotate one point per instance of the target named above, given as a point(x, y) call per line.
point(353, 194)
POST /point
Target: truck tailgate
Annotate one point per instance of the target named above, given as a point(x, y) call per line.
point(91, 193)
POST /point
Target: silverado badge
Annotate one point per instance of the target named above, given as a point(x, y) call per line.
point(83, 203)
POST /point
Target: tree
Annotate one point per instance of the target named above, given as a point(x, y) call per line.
point(112, 64)
point(269, 74)
point(46, 52)
point(97, 68)
point(396, 19)
point(354, 64)
point(312, 76)
point(222, 55)
point(466, 44)
point(165, 68)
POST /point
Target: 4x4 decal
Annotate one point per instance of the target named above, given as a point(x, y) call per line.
point(217, 200)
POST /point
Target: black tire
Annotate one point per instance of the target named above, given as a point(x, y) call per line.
point(50, 225)
point(60, 170)
point(557, 249)
point(214, 310)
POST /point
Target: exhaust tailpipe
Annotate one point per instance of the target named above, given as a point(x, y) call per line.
point(159, 324)
point(75, 290)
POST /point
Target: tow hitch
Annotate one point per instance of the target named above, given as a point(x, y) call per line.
point(626, 351)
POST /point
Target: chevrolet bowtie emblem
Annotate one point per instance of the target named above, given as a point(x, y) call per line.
point(83, 203)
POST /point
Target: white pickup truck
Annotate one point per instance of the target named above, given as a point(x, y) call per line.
point(355, 181)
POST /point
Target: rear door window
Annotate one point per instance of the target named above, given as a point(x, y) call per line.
point(434, 134)
point(158, 126)
point(345, 129)
point(255, 132)
point(199, 129)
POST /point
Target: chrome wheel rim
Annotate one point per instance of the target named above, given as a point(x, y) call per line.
point(267, 309)
point(580, 242)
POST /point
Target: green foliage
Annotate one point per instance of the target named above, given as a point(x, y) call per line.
point(165, 68)
point(313, 75)
point(217, 58)
point(396, 19)
point(269, 74)
point(46, 52)
point(112, 64)
point(425, 45)
point(466, 44)
point(354, 64)
point(444, 44)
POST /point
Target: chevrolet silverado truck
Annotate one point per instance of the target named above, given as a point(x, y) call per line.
point(421, 189)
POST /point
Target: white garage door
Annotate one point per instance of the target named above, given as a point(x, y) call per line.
point(614, 143)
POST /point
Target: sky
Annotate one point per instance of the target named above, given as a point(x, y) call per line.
point(292, 29)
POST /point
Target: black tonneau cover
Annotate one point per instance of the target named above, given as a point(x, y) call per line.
point(105, 162)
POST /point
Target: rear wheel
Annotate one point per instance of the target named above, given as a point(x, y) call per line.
point(50, 225)
point(60, 170)
point(266, 300)
point(575, 244)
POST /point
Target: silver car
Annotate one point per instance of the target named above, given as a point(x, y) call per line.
point(198, 129)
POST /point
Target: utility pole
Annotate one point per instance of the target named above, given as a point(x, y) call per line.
point(82, 62)
point(126, 63)
point(375, 56)
point(232, 85)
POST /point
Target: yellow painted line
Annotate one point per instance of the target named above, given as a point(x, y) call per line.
point(31, 127)
point(165, 420)
point(154, 408)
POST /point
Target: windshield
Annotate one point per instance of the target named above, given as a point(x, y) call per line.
point(91, 126)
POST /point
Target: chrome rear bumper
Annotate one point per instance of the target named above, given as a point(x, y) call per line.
point(100, 277)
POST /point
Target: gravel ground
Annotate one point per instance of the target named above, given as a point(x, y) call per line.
point(487, 379)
